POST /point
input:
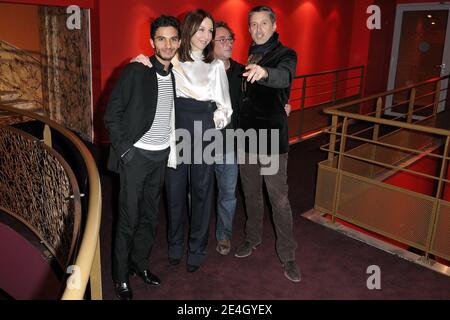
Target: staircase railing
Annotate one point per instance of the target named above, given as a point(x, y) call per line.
point(312, 93)
point(56, 211)
point(375, 178)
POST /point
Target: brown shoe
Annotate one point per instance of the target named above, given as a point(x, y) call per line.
point(223, 247)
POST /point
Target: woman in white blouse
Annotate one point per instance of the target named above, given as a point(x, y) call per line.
point(202, 99)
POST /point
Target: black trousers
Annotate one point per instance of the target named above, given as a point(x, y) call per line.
point(195, 178)
point(141, 180)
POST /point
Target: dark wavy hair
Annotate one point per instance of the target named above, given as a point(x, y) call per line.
point(223, 24)
point(189, 27)
point(164, 21)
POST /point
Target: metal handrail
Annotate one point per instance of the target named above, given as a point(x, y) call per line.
point(329, 72)
point(88, 258)
point(386, 93)
point(322, 90)
point(437, 137)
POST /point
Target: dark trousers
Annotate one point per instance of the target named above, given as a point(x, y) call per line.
point(197, 179)
point(277, 189)
point(141, 180)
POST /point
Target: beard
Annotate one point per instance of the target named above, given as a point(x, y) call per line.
point(164, 57)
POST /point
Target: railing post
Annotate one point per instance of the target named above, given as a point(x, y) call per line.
point(47, 136)
point(335, 86)
point(375, 135)
point(334, 123)
point(337, 186)
point(361, 82)
point(412, 100)
point(376, 128)
point(96, 274)
point(437, 200)
point(437, 96)
point(302, 108)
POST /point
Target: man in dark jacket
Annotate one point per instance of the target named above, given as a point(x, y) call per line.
point(269, 74)
point(140, 121)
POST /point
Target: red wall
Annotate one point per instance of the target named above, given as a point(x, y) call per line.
point(326, 34)
point(360, 36)
point(80, 3)
point(19, 25)
point(320, 31)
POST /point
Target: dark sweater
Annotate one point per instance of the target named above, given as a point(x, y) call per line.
point(234, 74)
point(263, 102)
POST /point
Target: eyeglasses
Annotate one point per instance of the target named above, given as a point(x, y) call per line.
point(224, 40)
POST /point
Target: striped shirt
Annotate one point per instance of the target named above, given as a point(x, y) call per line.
point(157, 138)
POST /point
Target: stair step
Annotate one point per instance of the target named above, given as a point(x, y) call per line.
point(9, 95)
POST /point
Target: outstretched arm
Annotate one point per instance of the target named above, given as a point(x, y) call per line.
point(282, 75)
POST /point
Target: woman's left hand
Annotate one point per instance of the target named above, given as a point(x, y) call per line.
point(287, 109)
point(142, 59)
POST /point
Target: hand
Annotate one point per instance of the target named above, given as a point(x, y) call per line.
point(221, 125)
point(255, 73)
point(142, 59)
point(219, 119)
point(287, 109)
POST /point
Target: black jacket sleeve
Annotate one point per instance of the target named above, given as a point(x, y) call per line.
point(282, 75)
point(117, 105)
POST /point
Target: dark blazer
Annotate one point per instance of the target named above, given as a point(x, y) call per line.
point(264, 101)
point(234, 75)
point(131, 108)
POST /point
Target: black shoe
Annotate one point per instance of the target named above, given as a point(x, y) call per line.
point(245, 249)
point(191, 268)
point(292, 272)
point(148, 277)
point(123, 291)
point(174, 261)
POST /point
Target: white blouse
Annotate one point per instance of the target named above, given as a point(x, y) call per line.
point(204, 82)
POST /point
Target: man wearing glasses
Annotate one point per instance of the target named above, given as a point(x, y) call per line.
point(227, 172)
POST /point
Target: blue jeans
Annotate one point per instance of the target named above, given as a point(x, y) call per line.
point(226, 176)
